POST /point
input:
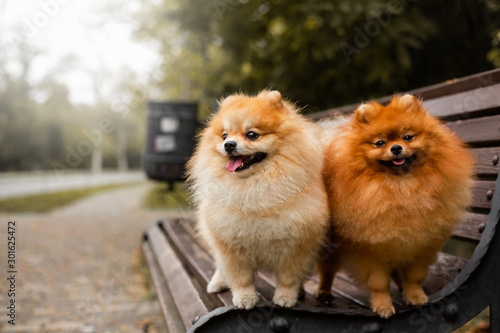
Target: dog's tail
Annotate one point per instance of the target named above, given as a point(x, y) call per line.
point(330, 127)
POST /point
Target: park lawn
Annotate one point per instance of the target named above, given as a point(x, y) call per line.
point(480, 324)
point(43, 203)
point(161, 197)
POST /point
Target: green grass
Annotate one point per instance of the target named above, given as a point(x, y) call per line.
point(480, 324)
point(160, 197)
point(459, 248)
point(43, 203)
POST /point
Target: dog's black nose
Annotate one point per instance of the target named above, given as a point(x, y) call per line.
point(230, 146)
point(396, 149)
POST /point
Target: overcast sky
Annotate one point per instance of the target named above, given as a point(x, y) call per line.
point(80, 28)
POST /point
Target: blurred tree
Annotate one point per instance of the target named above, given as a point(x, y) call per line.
point(494, 11)
point(319, 53)
point(459, 48)
point(20, 141)
point(40, 128)
point(55, 110)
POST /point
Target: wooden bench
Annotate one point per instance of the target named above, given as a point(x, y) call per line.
point(459, 289)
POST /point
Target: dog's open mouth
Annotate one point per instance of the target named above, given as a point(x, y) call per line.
point(243, 162)
point(399, 164)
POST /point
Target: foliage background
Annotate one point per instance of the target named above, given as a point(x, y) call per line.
point(319, 54)
point(297, 47)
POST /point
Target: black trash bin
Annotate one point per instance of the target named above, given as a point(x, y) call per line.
point(170, 139)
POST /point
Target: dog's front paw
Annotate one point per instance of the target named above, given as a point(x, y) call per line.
point(284, 302)
point(382, 305)
point(318, 293)
point(285, 298)
point(245, 301)
point(416, 297)
point(384, 310)
point(216, 286)
point(323, 296)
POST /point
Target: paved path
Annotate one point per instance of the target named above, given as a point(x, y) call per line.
point(26, 183)
point(79, 267)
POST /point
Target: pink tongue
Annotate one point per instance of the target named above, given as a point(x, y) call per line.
point(398, 162)
point(234, 163)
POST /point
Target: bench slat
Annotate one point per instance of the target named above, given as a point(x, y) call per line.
point(199, 261)
point(443, 271)
point(435, 91)
point(309, 287)
point(340, 300)
point(484, 130)
point(487, 161)
point(195, 255)
point(465, 104)
point(482, 194)
point(459, 85)
point(346, 287)
point(266, 289)
point(172, 316)
point(184, 293)
point(471, 227)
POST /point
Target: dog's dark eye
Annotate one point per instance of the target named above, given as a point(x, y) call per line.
point(224, 136)
point(380, 143)
point(408, 138)
point(252, 136)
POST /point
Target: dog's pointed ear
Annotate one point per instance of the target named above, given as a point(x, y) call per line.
point(273, 96)
point(365, 112)
point(228, 99)
point(407, 103)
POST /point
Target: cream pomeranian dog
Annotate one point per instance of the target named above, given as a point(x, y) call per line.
point(256, 180)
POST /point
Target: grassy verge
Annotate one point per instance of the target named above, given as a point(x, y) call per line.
point(160, 197)
point(480, 324)
point(459, 248)
point(42, 203)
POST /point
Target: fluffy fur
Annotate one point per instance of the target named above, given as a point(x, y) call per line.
point(272, 215)
point(392, 213)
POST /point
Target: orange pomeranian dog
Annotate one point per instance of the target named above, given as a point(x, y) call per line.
point(256, 179)
point(398, 183)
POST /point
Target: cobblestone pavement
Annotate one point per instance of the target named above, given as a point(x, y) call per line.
point(79, 268)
